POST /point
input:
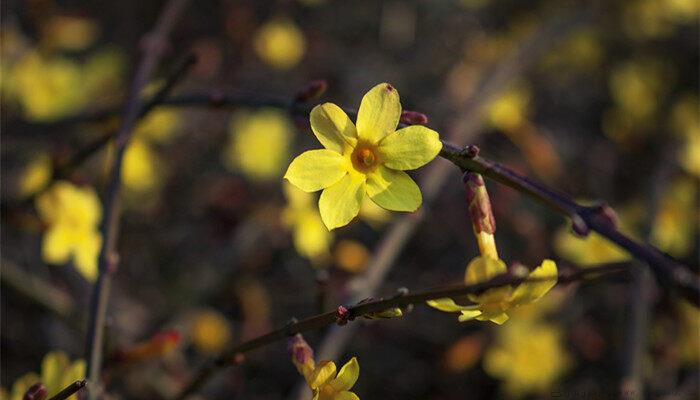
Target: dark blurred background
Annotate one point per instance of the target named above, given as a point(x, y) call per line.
point(212, 245)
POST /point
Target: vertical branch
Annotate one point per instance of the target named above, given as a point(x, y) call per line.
point(154, 46)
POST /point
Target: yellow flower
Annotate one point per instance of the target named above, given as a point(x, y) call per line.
point(326, 385)
point(509, 110)
point(370, 158)
point(70, 32)
point(259, 143)
point(36, 175)
point(528, 356)
point(311, 239)
point(71, 215)
point(57, 372)
point(676, 220)
point(685, 121)
point(211, 332)
point(47, 88)
point(141, 173)
point(280, 43)
point(493, 304)
point(590, 250)
point(158, 126)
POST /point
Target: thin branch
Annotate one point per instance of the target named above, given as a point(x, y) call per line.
point(154, 48)
point(401, 300)
point(72, 389)
point(667, 271)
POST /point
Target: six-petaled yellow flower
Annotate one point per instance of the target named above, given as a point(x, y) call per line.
point(72, 215)
point(369, 157)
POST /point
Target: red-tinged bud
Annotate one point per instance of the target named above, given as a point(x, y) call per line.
point(312, 91)
point(609, 215)
point(302, 354)
point(471, 151)
point(479, 203)
point(35, 392)
point(341, 315)
point(413, 118)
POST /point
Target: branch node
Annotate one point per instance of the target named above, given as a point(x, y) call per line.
point(342, 316)
point(470, 151)
point(289, 327)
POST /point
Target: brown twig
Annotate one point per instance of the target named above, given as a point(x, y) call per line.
point(401, 301)
point(154, 47)
point(72, 389)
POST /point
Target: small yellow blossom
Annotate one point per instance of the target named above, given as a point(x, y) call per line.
point(57, 372)
point(509, 110)
point(592, 249)
point(370, 158)
point(158, 126)
point(47, 88)
point(72, 215)
point(637, 86)
point(528, 356)
point(493, 304)
point(259, 143)
point(36, 175)
point(69, 32)
point(311, 239)
point(373, 215)
point(351, 256)
point(685, 122)
point(676, 222)
point(141, 170)
point(210, 332)
point(280, 43)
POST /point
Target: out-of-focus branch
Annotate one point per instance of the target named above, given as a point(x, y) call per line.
point(154, 45)
point(343, 315)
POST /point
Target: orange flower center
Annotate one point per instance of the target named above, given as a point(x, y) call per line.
point(364, 158)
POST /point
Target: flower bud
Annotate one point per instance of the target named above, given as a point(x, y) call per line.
point(312, 91)
point(481, 213)
point(35, 392)
point(413, 118)
point(302, 354)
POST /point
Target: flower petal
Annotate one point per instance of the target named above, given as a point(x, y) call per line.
point(410, 147)
point(481, 269)
point(393, 190)
point(449, 305)
point(332, 127)
point(324, 371)
point(379, 113)
point(56, 245)
point(86, 252)
point(340, 203)
point(345, 395)
point(528, 292)
point(347, 376)
point(498, 319)
point(316, 169)
point(468, 315)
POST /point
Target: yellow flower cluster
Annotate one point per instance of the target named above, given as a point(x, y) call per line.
point(57, 372)
point(280, 43)
point(367, 158)
point(494, 304)
point(322, 378)
point(71, 215)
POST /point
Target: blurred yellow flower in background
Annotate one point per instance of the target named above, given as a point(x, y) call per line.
point(685, 123)
point(589, 250)
point(210, 332)
point(373, 215)
point(280, 43)
point(368, 159)
point(72, 215)
point(509, 110)
point(258, 144)
point(351, 256)
point(69, 32)
point(159, 126)
point(676, 222)
point(582, 50)
point(103, 75)
point(57, 372)
point(141, 170)
point(47, 88)
point(528, 356)
point(36, 175)
point(311, 238)
point(657, 19)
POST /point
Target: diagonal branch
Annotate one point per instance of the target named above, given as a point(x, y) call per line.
point(401, 300)
point(154, 48)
